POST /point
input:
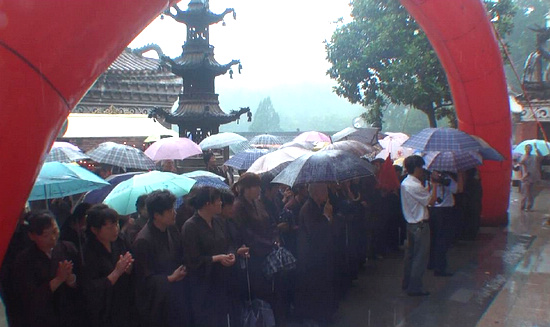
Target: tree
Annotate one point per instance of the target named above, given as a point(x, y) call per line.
point(383, 57)
point(265, 119)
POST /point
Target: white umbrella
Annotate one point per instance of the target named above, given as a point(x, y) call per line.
point(221, 140)
point(173, 148)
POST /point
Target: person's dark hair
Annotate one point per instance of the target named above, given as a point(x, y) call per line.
point(227, 198)
point(79, 212)
point(412, 162)
point(200, 196)
point(99, 215)
point(159, 201)
point(39, 220)
point(206, 156)
point(248, 180)
point(266, 184)
point(140, 202)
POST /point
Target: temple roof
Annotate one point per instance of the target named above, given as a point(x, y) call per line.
point(131, 63)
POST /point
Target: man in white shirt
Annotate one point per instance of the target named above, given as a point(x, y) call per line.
point(415, 199)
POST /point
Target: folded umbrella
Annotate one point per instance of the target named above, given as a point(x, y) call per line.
point(324, 166)
point(243, 160)
point(123, 197)
point(173, 148)
point(57, 180)
point(120, 155)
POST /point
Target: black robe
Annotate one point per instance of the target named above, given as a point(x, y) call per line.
point(315, 296)
point(39, 306)
point(107, 305)
point(207, 279)
point(157, 254)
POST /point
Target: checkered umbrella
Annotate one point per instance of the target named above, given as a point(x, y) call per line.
point(210, 181)
point(65, 154)
point(452, 160)
point(324, 166)
point(266, 141)
point(442, 139)
point(121, 155)
point(243, 160)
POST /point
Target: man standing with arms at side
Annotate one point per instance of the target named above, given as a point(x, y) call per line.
point(530, 176)
point(415, 199)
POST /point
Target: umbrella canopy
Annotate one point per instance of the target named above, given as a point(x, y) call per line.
point(65, 145)
point(355, 147)
point(266, 141)
point(274, 159)
point(210, 181)
point(324, 166)
point(173, 148)
point(539, 144)
point(442, 139)
point(243, 160)
point(202, 173)
point(452, 160)
point(487, 152)
point(363, 135)
point(158, 137)
point(57, 179)
point(65, 154)
point(221, 140)
point(312, 137)
point(392, 144)
point(120, 155)
point(294, 144)
point(123, 197)
point(97, 196)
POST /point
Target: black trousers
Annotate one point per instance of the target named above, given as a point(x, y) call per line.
point(442, 225)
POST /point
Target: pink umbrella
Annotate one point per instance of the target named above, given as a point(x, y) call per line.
point(173, 148)
point(312, 137)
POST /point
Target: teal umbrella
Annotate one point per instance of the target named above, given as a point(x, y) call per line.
point(57, 180)
point(124, 196)
point(544, 147)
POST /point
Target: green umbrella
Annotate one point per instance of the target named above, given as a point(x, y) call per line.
point(124, 196)
point(57, 180)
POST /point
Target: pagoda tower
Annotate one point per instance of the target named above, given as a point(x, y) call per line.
point(198, 114)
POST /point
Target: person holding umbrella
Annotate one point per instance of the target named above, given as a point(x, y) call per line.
point(530, 176)
point(415, 199)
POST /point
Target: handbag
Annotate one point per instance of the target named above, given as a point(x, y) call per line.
point(279, 260)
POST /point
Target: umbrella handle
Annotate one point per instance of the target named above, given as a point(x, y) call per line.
point(248, 280)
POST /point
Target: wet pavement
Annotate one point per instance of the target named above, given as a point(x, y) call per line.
point(501, 279)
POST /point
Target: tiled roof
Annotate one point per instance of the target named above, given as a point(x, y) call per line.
point(129, 62)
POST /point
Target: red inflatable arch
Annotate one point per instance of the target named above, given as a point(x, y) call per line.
point(465, 43)
point(52, 51)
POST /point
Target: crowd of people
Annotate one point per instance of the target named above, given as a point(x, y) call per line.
point(204, 262)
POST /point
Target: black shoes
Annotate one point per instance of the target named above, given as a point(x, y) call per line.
point(442, 274)
point(418, 293)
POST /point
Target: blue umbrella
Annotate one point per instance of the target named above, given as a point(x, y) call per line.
point(97, 196)
point(57, 180)
point(324, 166)
point(210, 181)
point(243, 160)
point(452, 160)
point(541, 145)
point(202, 173)
point(487, 152)
point(442, 139)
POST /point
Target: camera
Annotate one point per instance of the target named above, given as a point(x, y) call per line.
point(441, 178)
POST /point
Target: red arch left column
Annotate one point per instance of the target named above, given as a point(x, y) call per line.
point(51, 52)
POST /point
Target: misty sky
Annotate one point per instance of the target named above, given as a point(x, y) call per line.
point(280, 45)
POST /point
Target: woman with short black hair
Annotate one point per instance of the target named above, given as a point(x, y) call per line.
point(205, 246)
point(106, 272)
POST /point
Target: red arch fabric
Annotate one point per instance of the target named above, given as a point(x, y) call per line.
point(50, 54)
point(465, 43)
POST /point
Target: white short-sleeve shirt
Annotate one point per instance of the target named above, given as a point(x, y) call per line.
point(414, 200)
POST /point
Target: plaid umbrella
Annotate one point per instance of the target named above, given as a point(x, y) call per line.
point(243, 160)
point(452, 160)
point(442, 139)
point(121, 155)
point(266, 141)
point(324, 166)
point(65, 154)
point(57, 180)
point(210, 181)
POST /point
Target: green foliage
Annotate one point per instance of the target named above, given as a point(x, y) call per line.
point(265, 119)
point(383, 56)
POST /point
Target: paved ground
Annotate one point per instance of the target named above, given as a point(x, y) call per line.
point(501, 279)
